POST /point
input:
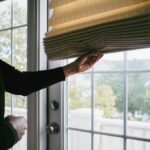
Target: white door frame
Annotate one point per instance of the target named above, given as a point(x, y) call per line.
point(37, 102)
point(56, 92)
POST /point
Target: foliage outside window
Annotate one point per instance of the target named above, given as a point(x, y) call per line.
point(112, 98)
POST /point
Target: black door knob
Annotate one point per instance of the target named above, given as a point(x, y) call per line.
point(53, 128)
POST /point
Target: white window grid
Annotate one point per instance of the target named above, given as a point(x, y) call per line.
point(12, 28)
point(123, 136)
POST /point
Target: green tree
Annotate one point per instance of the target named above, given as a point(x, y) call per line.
point(79, 97)
point(146, 101)
point(105, 100)
point(116, 82)
point(135, 93)
point(138, 93)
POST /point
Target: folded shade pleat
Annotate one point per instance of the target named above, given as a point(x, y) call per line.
point(115, 25)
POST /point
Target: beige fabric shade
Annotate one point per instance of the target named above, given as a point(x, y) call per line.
point(79, 26)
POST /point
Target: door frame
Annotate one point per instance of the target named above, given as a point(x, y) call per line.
point(56, 92)
point(37, 102)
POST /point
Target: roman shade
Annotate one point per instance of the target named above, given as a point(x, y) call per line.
point(80, 26)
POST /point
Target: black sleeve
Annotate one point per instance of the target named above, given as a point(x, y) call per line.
point(24, 83)
point(8, 135)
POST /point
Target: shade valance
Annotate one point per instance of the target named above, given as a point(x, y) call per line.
point(79, 26)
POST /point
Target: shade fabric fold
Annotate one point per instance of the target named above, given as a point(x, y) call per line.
point(57, 3)
point(80, 26)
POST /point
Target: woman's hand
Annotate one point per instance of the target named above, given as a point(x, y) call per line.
point(19, 124)
point(82, 64)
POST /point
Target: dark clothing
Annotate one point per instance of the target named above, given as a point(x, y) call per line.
point(24, 83)
point(21, 83)
point(8, 135)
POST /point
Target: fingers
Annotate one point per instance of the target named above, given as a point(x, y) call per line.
point(23, 122)
point(90, 56)
point(94, 58)
point(19, 124)
point(82, 64)
point(99, 56)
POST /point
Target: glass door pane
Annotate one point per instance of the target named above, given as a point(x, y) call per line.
point(139, 105)
point(137, 145)
point(102, 142)
point(13, 50)
point(79, 140)
point(21, 17)
point(79, 101)
point(5, 14)
point(109, 105)
point(109, 95)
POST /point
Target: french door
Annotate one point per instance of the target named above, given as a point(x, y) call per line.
point(106, 107)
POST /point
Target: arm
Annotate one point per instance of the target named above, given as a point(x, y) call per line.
point(24, 83)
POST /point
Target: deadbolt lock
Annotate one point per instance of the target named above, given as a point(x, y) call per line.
point(54, 105)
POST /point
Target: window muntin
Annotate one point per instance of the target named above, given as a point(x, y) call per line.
point(126, 78)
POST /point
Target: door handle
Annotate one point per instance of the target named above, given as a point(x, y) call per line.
point(53, 128)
